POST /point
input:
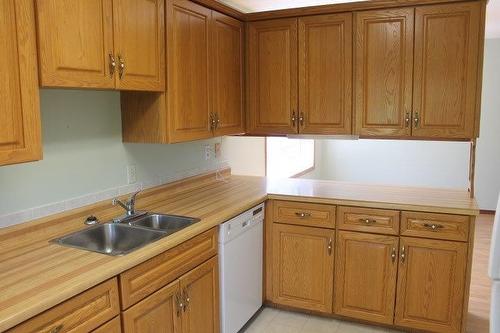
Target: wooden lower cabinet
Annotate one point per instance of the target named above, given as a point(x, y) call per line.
point(303, 267)
point(159, 312)
point(431, 284)
point(365, 276)
point(200, 290)
point(190, 304)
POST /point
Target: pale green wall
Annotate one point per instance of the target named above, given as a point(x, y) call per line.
point(83, 153)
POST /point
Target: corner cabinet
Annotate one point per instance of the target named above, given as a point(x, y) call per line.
point(299, 75)
point(417, 71)
point(102, 44)
point(204, 79)
point(20, 137)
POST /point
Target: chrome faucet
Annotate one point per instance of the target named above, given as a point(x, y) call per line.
point(129, 206)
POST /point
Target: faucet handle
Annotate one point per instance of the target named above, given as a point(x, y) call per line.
point(131, 200)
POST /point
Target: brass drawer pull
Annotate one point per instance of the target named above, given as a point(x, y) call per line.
point(294, 119)
point(367, 221)
point(433, 226)
point(112, 65)
point(303, 215)
point(403, 254)
point(57, 329)
point(330, 247)
point(180, 304)
point(187, 299)
point(121, 68)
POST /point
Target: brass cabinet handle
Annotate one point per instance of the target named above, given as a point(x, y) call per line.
point(403, 254)
point(302, 215)
point(187, 299)
point(301, 119)
point(416, 120)
point(294, 119)
point(407, 120)
point(57, 329)
point(217, 121)
point(393, 254)
point(213, 122)
point(330, 247)
point(112, 65)
point(433, 226)
point(121, 67)
point(367, 221)
point(180, 304)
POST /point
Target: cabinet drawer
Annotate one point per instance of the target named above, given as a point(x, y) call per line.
point(80, 314)
point(438, 226)
point(148, 277)
point(112, 326)
point(303, 213)
point(380, 221)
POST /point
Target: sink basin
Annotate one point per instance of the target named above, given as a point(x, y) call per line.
point(166, 223)
point(111, 238)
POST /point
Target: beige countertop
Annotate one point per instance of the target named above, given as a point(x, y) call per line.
point(36, 275)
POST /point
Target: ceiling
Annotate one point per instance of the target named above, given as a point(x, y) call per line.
point(249, 6)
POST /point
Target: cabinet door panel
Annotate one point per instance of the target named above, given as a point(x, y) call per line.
point(365, 280)
point(139, 32)
point(20, 138)
point(446, 65)
point(431, 284)
point(303, 267)
point(384, 72)
point(228, 74)
point(201, 290)
point(272, 76)
point(75, 39)
point(188, 33)
point(325, 72)
point(158, 313)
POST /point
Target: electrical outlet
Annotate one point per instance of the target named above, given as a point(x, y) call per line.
point(217, 149)
point(131, 174)
point(208, 152)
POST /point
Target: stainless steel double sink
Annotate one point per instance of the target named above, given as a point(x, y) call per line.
point(117, 239)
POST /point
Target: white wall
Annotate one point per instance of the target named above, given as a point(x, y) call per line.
point(84, 154)
point(245, 155)
point(488, 145)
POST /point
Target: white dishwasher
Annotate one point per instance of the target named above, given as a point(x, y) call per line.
point(240, 268)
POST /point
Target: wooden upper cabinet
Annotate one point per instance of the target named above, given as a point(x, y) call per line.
point(75, 41)
point(272, 77)
point(303, 267)
point(159, 312)
point(431, 284)
point(447, 54)
point(365, 280)
point(139, 31)
point(20, 134)
point(200, 289)
point(228, 74)
point(384, 72)
point(189, 65)
point(104, 44)
point(325, 74)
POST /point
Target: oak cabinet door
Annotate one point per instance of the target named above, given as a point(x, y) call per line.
point(447, 51)
point(75, 41)
point(20, 137)
point(431, 283)
point(228, 74)
point(272, 77)
point(365, 279)
point(188, 57)
point(158, 313)
point(303, 267)
point(325, 74)
point(200, 288)
point(384, 72)
point(139, 42)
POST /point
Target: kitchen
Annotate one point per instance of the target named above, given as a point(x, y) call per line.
point(104, 98)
